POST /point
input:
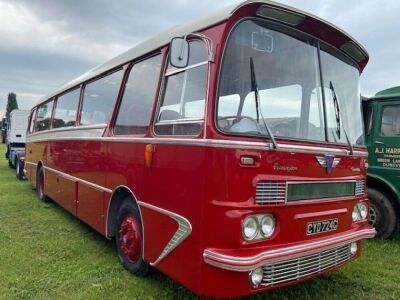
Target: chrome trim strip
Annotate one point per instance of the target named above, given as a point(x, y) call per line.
point(245, 264)
point(31, 163)
point(175, 71)
point(71, 128)
point(230, 144)
point(184, 230)
point(69, 132)
point(73, 178)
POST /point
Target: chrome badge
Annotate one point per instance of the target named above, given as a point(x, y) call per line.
point(328, 161)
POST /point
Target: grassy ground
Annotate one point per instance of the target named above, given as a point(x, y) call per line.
point(45, 253)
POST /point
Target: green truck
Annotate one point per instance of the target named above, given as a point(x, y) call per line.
point(382, 137)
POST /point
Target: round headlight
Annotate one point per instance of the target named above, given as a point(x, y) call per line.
point(363, 208)
point(256, 277)
point(353, 248)
point(267, 225)
point(250, 228)
point(355, 214)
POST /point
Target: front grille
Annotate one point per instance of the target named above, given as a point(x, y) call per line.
point(360, 188)
point(297, 268)
point(270, 192)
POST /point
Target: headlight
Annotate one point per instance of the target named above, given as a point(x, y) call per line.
point(250, 228)
point(256, 277)
point(360, 212)
point(258, 227)
point(363, 210)
point(267, 225)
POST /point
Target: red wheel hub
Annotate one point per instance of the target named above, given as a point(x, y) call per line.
point(130, 238)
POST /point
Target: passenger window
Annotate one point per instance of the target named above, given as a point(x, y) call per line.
point(99, 98)
point(390, 121)
point(137, 103)
point(66, 108)
point(182, 108)
point(32, 121)
point(43, 117)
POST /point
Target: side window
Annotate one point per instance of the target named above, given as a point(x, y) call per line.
point(43, 117)
point(182, 105)
point(66, 108)
point(99, 98)
point(137, 103)
point(390, 125)
point(32, 121)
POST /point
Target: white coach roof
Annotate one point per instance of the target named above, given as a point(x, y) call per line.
point(165, 37)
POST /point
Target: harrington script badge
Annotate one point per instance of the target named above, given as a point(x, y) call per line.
point(328, 161)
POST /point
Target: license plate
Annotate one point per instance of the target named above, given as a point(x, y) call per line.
point(322, 226)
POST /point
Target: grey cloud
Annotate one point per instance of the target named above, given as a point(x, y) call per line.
point(66, 38)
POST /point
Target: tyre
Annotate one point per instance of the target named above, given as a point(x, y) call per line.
point(129, 238)
point(382, 214)
point(40, 183)
point(19, 169)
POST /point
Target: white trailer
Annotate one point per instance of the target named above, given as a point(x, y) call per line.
point(16, 136)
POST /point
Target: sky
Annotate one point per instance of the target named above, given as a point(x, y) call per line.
point(47, 43)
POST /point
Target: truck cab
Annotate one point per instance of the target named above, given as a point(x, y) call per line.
point(382, 132)
point(16, 137)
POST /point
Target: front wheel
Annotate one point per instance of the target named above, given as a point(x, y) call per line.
point(382, 214)
point(129, 239)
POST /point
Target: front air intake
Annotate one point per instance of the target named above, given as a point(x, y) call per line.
point(270, 192)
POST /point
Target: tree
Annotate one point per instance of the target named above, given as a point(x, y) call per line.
point(11, 104)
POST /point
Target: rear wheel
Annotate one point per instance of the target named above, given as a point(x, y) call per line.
point(382, 214)
point(129, 239)
point(19, 169)
point(40, 186)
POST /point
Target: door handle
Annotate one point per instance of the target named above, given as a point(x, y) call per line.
point(379, 143)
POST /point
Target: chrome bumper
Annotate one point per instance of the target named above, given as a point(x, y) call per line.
point(221, 259)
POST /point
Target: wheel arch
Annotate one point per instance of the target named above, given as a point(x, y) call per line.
point(116, 199)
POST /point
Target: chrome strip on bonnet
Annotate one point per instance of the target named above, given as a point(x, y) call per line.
point(184, 230)
point(215, 143)
point(73, 178)
point(248, 263)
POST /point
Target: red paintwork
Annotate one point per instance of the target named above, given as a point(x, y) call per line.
point(130, 239)
point(206, 185)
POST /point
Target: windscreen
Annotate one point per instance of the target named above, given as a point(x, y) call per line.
point(272, 78)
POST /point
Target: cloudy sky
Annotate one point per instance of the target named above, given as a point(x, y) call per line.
point(46, 43)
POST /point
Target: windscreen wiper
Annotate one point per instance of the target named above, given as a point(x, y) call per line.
point(338, 118)
point(254, 88)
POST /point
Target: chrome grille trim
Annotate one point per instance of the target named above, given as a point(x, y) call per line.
point(359, 188)
point(270, 192)
point(297, 268)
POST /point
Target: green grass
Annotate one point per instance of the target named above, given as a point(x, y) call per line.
point(45, 253)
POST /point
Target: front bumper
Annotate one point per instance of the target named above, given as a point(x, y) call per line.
point(238, 260)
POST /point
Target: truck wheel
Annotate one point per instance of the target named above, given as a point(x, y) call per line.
point(382, 214)
point(19, 170)
point(129, 239)
point(40, 186)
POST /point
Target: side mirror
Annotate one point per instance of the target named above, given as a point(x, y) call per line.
point(179, 53)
